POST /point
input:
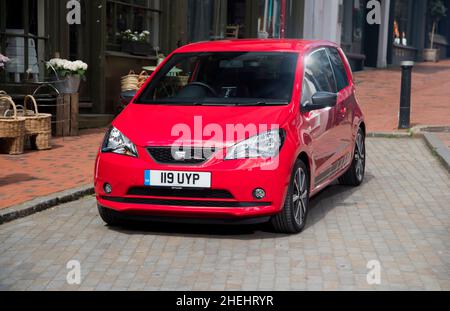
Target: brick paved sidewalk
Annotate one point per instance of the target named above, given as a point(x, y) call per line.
point(70, 164)
point(379, 95)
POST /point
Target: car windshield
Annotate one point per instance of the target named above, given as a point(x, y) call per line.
point(223, 78)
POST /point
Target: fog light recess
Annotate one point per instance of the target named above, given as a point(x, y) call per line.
point(259, 194)
point(108, 188)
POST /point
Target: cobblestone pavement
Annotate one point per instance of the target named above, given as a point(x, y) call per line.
point(399, 216)
point(445, 138)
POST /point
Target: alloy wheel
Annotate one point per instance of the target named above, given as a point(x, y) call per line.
point(300, 196)
point(360, 157)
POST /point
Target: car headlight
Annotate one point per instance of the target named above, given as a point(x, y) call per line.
point(266, 145)
point(116, 142)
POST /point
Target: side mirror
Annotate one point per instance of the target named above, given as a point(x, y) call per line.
point(322, 100)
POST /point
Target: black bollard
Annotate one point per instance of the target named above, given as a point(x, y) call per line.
point(404, 120)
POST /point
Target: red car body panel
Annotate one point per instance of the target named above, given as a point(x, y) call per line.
point(325, 138)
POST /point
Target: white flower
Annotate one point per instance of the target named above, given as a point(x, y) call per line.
point(69, 67)
point(3, 59)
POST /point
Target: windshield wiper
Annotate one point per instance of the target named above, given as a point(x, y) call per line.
point(200, 103)
point(262, 103)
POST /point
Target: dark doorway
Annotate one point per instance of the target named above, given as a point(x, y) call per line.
point(371, 39)
point(236, 12)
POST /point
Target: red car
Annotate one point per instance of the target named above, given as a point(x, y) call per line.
point(239, 132)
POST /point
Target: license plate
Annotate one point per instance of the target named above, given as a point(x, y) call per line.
point(177, 179)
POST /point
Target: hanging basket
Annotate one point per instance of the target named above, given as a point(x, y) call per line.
point(37, 125)
point(12, 128)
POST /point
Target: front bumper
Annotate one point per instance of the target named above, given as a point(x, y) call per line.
point(238, 177)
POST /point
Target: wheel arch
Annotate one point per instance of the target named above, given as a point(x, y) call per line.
point(305, 158)
point(362, 126)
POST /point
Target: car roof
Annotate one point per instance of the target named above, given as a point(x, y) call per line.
point(254, 45)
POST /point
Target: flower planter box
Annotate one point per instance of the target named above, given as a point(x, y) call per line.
point(137, 48)
point(431, 55)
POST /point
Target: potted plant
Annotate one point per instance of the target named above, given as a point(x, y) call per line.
point(71, 72)
point(437, 11)
point(136, 43)
point(3, 61)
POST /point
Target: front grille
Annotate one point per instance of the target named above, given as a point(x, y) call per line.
point(184, 193)
point(190, 203)
point(166, 155)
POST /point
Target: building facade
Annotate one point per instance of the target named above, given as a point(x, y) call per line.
point(95, 40)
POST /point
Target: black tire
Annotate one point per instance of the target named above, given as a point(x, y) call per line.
point(109, 216)
point(355, 174)
point(292, 219)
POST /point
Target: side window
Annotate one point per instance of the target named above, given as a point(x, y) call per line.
point(319, 76)
point(339, 69)
point(309, 89)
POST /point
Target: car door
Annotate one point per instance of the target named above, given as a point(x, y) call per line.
point(319, 77)
point(344, 107)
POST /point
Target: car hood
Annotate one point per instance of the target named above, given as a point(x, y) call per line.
point(164, 125)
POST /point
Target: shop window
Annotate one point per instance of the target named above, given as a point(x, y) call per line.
point(353, 26)
point(206, 20)
point(403, 22)
point(23, 38)
point(134, 15)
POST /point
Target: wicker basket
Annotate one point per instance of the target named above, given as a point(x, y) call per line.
point(12, 129)
point(177, 81)
point(3, 108)
point(183, 80)
point(37, 125)
point(130, 82)
point(143, 76)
